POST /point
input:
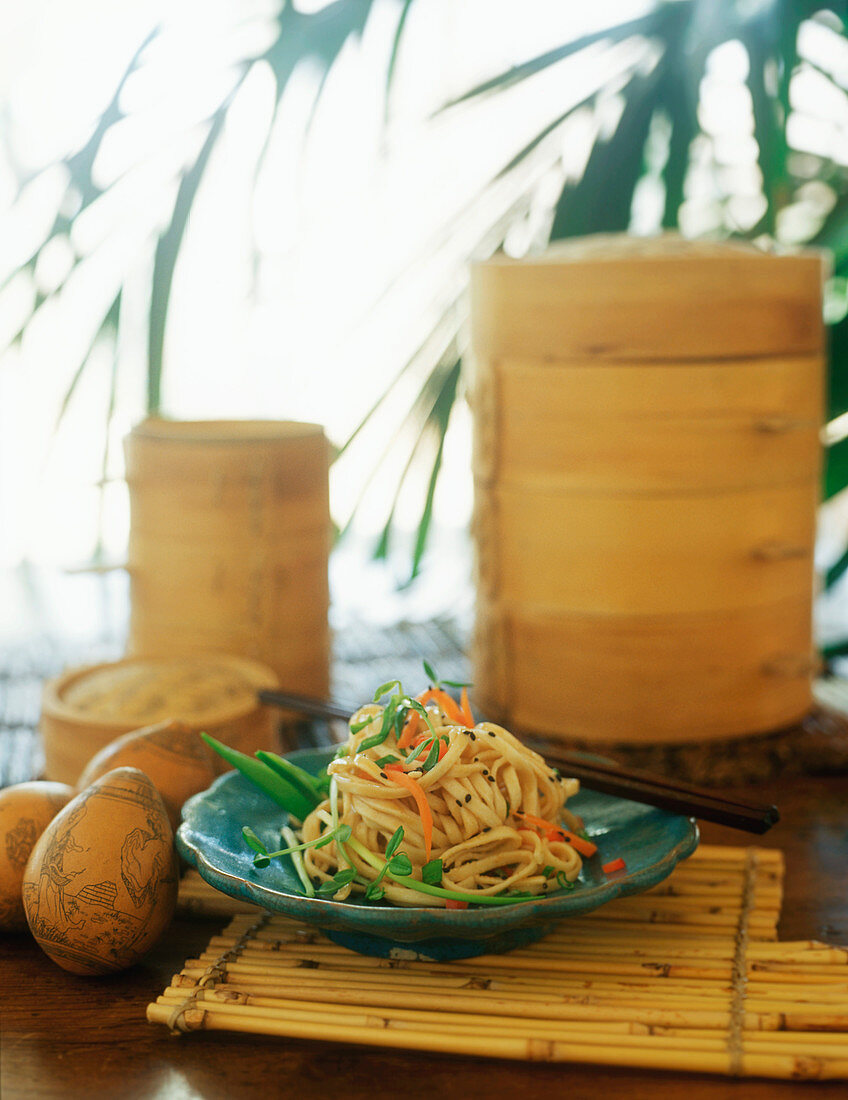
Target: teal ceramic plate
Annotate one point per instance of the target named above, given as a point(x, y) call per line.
point(650, 841)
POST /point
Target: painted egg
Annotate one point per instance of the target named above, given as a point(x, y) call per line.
point(25, 812)
point(169, 753)
point(100, 886)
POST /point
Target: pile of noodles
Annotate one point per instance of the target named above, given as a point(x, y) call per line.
point(476, 793)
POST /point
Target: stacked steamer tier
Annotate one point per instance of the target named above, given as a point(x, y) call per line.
point(647, 465)
point(229, 541)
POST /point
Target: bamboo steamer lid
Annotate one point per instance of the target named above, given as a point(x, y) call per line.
point(83, 709)
point(291, 453)
point(634, 298)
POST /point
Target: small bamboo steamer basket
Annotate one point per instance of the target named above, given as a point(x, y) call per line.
point(229, 543)
point(83, 709)
point(646, 463)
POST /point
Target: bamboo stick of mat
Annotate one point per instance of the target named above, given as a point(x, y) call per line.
point(271, 1008)
point(687, 978)
point(541, 1050)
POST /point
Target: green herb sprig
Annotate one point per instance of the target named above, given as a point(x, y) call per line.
point(437, 683)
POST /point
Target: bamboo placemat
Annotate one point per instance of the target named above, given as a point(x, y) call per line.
point(688, 976)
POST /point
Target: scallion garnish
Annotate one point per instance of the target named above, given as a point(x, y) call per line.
point(384, 689)
point(432, 757)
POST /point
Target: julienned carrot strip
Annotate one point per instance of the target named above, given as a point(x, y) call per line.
point(450, 706)
point(613, 866)
point(417, 792)
point(452, 904)
point(410, 728)
point(584, 847)
point(466, 709)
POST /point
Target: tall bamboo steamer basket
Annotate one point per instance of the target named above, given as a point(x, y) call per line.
point(229, 543)
point(647, 467)
point(83, 709)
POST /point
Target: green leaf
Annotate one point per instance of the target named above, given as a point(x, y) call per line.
point(393, 56)
point(431, 675)
point(339, 880)
point(645, 25)
point(256, 844)
point(167, 251)
point(432, 872)
point(770, 136)
point(439, 420)
point(601, 201)
point(384, 689)
point(374, 892)
point(837, 398)
point(394, 842)
point(836, 571)
point(835, 468)
point(401, 864)
point(678, 95)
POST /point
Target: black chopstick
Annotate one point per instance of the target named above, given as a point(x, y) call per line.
point(605, 766)
point(608, 778)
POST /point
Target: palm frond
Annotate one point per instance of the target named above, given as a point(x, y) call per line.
point(107, 326)
point(440, 419)
point(835, 469)
point(600, 201)
point(391, 68)
point(644, 25)
point(167, 253)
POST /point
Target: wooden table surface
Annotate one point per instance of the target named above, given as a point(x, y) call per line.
point(64, 1036)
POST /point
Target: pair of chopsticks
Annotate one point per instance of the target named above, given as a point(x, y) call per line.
point(600, 775)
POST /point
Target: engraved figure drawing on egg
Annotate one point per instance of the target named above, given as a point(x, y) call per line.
point(141, 883)
point(20, 841)
point(55, 909)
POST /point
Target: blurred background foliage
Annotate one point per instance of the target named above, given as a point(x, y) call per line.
point(717, 118)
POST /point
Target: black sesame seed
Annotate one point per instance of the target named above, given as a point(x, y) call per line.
point(383, 775)
point(491, 734)
point(468, 798)
point(485, 771)
point(458, 802)
point(491, 778)
point(473, 736)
